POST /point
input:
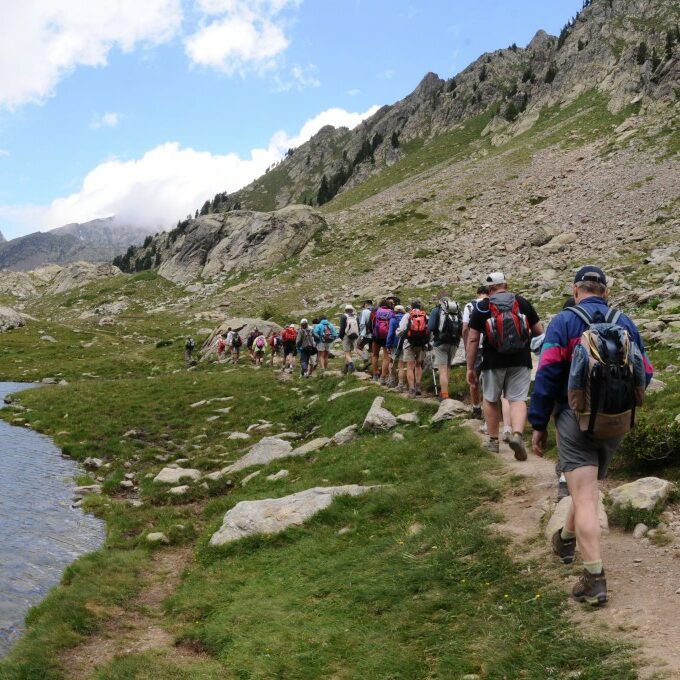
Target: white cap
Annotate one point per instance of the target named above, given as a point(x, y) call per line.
point(495, 279)
point(303, 322)
point(349, 308)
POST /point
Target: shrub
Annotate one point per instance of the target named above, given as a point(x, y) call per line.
point(650, 445)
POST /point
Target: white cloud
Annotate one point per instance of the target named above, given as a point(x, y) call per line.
point(169, 181)
point(354, 92)
point(4, 152)
point(239, 34)
point(107, 120)
point(43, 40)
point(300, 78)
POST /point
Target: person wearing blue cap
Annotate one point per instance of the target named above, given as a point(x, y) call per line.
point(584, 455)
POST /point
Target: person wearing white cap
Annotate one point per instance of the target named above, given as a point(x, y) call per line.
point(306, 346)
point(508, 322)
point(349, 334)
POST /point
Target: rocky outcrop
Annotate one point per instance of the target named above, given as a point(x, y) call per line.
point(80, 274)
point(243, 325)
point(18, 284)
point(220, 245)
point(269, 516)
point(648, 493)
point(448, 409)
point(378, 417)
point(10, 319)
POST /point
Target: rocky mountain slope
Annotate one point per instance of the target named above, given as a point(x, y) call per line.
point(95, 241)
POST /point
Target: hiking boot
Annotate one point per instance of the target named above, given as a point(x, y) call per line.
point(383, 382)
point(517, 445)
point(392, 383)
point(401, 388)
point(591, 588)
point(563, 549)
point(477, 412)
point(345, 369)
point(492, 445)
point(418, 391)
point(351, 367)
point(411, 392)
point(376, 377)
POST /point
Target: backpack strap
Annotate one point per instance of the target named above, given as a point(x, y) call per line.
point(613, 316)
point(581, 314)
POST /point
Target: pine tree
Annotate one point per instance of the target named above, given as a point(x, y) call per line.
point(642, 53)
point(482, 74)
point(322, 194)
point(528, 75)
point(669, 45)
point(452, 85)
point(551, 73)
point(656, 60)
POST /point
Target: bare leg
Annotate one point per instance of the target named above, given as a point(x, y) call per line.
point(443, 378)
point(492, 417)
point(518, 415)
point(583, 518)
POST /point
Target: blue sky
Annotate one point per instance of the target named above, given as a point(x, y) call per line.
point(145, 109)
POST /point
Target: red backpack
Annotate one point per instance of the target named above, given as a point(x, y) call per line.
point(507, 330)
point(289, 335)
point(418, 333)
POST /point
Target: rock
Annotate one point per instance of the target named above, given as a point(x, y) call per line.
point(197, 404)
point(408, 418)
point(269, 516)
point(49, 381)
point(127, 484)
point(640, 530)
point(170, 475)
point(157, 537)
point(80, 274)
point(642, 494)
point(379, 418)
point(677, 419)
point(561, 510)
point(311, 446)
point(47, 338)
point(179, 490)
point(238, 435)
point(93, 463)
point(346, 435)
point(10, 319)
point(247, 478)
point(398, 436)
point(107, 321)
point(265, 451)
point(656, 385)
point(337, 395)
point(448, 409)
point(281, 474)
point(87, 489)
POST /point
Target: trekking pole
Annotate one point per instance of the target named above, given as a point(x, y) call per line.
point(434, 380)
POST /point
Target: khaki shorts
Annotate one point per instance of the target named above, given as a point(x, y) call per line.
point(511, 383)
point(442, 355)
point(414, 354)
point(324, 346)
point(349, 344)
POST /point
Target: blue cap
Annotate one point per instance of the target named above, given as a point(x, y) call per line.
point(590, 273)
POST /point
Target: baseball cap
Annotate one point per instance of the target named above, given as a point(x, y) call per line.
point(400, 308)
point(495, 279)
point(303, 322)
point(590, 273)
point(349, 308)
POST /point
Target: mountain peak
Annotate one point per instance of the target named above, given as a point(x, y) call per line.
point(429, 84)
point(2, 238)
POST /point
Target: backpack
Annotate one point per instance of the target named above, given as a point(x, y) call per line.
point(289, 335)
point(381, 327)
point(327, 334)
point(260, 342)
point(276, 342)
point(507, 329)
point(606, 377)
point(450, 327)
point(418, 333)
point(236, 341)
point(190, 344)
point(352, 327)
point(307, 342)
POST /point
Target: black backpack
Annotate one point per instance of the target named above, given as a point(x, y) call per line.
point(450, 327)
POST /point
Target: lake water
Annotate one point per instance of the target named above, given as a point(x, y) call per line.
point(40, 533)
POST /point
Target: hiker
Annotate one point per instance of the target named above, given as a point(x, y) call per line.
point(236, 343)
point(189, 350)
point(575, 339)
point(508, 322)
point(250, 340)
point(221, 346)
point(314, 358)
point(475, 398)
point(289, 338)
point(395, 346)
point(306, 345)
point(259, 347)
point(325, 334)
point(380, 328)
point(446, 325)
point(365, 333)
point(416, 334)
point(349, 334)
point(275, 347)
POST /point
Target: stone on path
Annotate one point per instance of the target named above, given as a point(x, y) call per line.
point(561, 510)
point(265, 451)
point(179, 490)
point(337, 395)
point(378, 417)
point(656, 385)
point(247, 478)
point(346, 435)
point(448, 409)
point(271, 515)
point(169, 475)
point(640, 530)
point(408, 418)
point(157, 537)
point(642, 494)
point(281, 474)
point(311, 446)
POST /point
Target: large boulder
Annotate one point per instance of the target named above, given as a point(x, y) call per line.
point(448, 409)
point(80, 274)
point(17, 284)
point(642, 494)
point(265, 451)
point(271, 515)
point(378, 417)
point(173, 475)
point(243, 325)
point(220, 245)
point(9, 319)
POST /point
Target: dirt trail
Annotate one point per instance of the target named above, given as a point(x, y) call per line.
point(643, 579)
point(139, 626)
